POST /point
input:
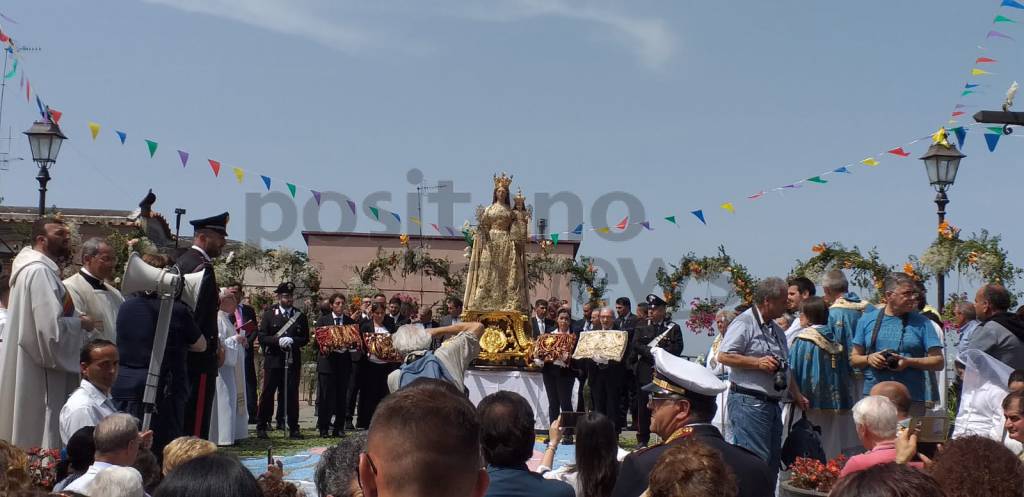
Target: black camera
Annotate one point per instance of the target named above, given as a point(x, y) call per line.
point(892, 359)
point(780, 380)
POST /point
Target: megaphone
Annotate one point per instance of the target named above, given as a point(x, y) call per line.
point(141, 277)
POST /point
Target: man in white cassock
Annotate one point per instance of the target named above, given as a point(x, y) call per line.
point(228, 422)
point(39, 360)
point(90, 291)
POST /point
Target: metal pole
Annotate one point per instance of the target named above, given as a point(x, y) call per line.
point(940, 279)
point(43, 177)
point(177, 224)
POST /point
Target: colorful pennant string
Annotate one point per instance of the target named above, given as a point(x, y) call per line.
point(266, 181)
point(151, 145)
point(183, 155)
point(215, 166)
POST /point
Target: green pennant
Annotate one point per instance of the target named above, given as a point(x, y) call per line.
point(375, 212)
point(291, 188)
point(966, 92)
point(152, 147)
point(554, 239)
point(671, 219)
point(996, 129)
point(817, 179)
point(1002, 19)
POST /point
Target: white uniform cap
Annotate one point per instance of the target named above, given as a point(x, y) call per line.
point(674, 375)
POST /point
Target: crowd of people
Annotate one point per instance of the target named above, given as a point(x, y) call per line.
point(789, 374)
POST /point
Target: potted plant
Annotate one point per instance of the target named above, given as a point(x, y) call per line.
point(812, 477)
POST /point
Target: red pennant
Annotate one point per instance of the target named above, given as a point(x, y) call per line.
point(215, 166)
point(981, 60)
point(900, 152)
point(622, 224)
point(4, 38)
point(55, 115)
point(28, 90)
point(957, 114)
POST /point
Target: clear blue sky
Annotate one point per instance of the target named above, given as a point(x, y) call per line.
point(683, 104)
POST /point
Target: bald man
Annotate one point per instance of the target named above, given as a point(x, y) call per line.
point(424, 440)
point(897, 393)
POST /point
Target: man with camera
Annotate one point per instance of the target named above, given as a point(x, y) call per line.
point(755, 349)
point(898, 344)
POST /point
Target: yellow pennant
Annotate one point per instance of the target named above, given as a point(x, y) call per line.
point(603, 230)
point(729, 207)
point(979, 72)
point(941, 137)
point(94, 128)
point(415, 220)
point(239, 174)
point(870, 161)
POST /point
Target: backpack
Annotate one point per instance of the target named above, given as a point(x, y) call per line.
point(427, 366)
point(804, 440)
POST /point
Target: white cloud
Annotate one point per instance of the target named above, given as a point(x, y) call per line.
point(651, 40)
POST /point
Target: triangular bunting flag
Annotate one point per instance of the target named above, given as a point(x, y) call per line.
point(961, 135)
point(1012, 3)
point(438, 230)
point(375, 212)
point(1002, 19)
point(984, 60)
point(121, 135)
point(266, 181)
point(183, 155)
point(450, 230)
point(997, 34)
point(756, 195)
point(316, 196)
point(239, 174)
point(995, 129)
point(900, 152)
point(870, 161)
point(700, 215)
point(578, 230)
point(603, 230)
point(55, 115)
point(28, 90)
point(291, 188)
point(623, 224)
point(841, 170)
point(966, 92)
point(647, 225)
point(151, 145)
point(215, 166)
point(794, 185)
point(992, 139)
point(351, 206)
point(671, 219)
point(39, 105)
point(396, 217)
point(94, 129)
point(817, 179)
point(554, 239)
point(959, 106)
point(14, 70)
point(728, 207)
point(958, 114)
point(415, 220)
point(979, 72)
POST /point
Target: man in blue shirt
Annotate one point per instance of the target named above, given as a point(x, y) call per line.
point(897, 343)
point(507, 437)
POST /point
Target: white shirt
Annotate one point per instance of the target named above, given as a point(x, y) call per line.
point(86, 407)
point(3, 324)
point(81, 484)
point(205, 255)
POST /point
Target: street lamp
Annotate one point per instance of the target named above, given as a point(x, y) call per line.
point(44, 138)
point(941, 162)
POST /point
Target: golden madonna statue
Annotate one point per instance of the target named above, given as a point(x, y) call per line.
point(497, 266)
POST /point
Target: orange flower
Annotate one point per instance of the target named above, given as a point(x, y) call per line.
point(819, 248)
point(972, 258)
point(668, 296)
point(908, 268)
point(404, 239)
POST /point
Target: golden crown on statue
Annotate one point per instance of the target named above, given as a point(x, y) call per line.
point(502, 181)
point(519, 195)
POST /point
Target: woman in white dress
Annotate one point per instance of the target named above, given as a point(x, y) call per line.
point(228, 420)
point(722, 320)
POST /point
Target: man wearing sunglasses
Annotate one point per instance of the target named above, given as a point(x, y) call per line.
point(682, 405)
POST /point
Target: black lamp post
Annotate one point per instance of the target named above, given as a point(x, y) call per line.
point(44, 138)
point(941, 163)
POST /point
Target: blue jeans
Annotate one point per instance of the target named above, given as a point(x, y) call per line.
point(757, 427)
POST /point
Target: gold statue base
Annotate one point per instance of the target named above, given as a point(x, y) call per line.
point(506, 342)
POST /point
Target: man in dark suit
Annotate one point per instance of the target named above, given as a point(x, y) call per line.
point(626, 321)
point(657, 333)
point(207, 243)
point(244, 319)
point(284, 330)
point(539, 322)
point(333, 372)
point(683, 400)
point(394, 318)
point(583, 323)
point(454, 312)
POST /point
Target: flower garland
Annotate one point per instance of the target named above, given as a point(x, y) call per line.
point(702, 315)
point(980, 254)
point(411, 260)
point(867, 271)
point(705, 269)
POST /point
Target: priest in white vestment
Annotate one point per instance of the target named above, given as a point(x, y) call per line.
point(39, 360)
point(91, 292)
point(230, 415)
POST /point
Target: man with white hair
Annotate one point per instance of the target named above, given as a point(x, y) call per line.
point(876, 420)
point(449, 362)
point(117, 441)
point(91, 292)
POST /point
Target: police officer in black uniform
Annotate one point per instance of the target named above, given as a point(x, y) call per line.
point(209, 240)
point(283, 330)
point(683, 405)
point(656, 333)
